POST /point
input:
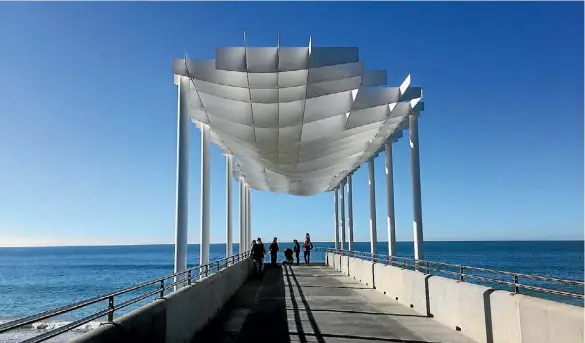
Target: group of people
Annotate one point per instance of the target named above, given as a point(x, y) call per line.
point(259, 251)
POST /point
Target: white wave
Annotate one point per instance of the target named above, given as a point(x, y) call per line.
point(51, 325)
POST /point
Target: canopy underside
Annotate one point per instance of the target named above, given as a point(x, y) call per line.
point(296, 120)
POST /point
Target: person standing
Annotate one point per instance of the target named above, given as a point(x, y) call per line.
point(307, 246)
point(297, 250)
point(273, 251)
point(263, 249)
point(258, 252)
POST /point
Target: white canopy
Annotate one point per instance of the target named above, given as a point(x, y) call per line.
point(296, 120)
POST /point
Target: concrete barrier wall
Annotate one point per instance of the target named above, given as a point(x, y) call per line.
point(459, 305)
point(388, 281)
point(329, 260)
point(177, 317)
point(408, 287)
point(344, 268)
point(517, 318)
point(483, 314)
point(504, 318)
point(544, 321)
point(362, 271)
point(337, 262)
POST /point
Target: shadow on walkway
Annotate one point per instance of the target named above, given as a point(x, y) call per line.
point(256, 313)
point(262, 311)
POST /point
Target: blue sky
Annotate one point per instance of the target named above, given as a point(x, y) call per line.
point(88, 117)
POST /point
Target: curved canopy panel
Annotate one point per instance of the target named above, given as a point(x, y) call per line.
point(296, 120)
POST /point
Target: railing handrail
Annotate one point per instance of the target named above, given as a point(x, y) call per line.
point(426, 265)
point(110, 296)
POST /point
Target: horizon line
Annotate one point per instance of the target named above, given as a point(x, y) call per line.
point(234, 243)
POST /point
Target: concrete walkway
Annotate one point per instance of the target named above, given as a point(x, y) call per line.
point(317, 304)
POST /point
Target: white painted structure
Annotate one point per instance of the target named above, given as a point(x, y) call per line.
point(296, 120)
point(349, 212)
point(228, 222)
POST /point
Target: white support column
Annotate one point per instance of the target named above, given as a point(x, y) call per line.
point(249, 222)
point(336, 216)
point(228, 206)
point(391, 222)
point(242, 209)
point(349, 212)
point(417, 225)
point(205, 213)
point(372, 184)
point(182, 182)
point(246, 234)
point(342, 203)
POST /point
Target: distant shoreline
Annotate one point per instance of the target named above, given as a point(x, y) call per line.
point(320, 242)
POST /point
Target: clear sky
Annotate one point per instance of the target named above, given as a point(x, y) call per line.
point(88, 118)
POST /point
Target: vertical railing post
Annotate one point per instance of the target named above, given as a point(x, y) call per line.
point(189, 277)
point(461, 271)
point(428, 268)
point(206, 270)
point(516, 288)
point(162, 288)
point(111, 308)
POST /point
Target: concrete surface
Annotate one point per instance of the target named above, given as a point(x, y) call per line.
point(481, 313)
point(362, 271)
point(344, 264)
point(317, 304)
point(176, 317)
point(460, 305)
point(545, 321)
point(408, 287)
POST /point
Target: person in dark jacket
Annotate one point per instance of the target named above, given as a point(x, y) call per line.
point(297, 250)
point(273, 251)
point(258, 251)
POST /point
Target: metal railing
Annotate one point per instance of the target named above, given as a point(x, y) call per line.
point(186, 277)
point(515, 281)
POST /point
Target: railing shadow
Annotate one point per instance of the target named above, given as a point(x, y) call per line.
point(319, 336)
point(317, 332)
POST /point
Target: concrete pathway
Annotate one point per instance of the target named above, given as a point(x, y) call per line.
point(318, 304)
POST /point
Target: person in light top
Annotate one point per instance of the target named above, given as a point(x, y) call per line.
point(307, 247)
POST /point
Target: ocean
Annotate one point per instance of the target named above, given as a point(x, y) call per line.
point(33, 280)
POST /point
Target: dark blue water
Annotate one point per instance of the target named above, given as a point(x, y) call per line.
point(39, 279)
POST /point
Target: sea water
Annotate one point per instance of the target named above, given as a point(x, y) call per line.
point(33, 280)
